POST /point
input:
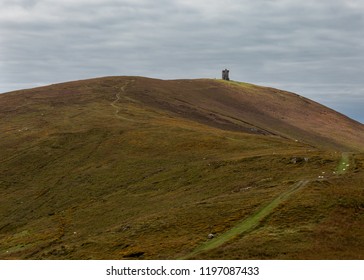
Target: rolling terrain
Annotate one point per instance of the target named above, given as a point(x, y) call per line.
point(140, 168)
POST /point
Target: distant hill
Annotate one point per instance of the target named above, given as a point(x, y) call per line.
point(252, 109)
point(140, 168)
point(230, 105)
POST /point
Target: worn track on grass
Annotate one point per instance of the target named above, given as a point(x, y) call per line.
point(344, 163)
point(249, 223)
point(117, 107)
point(253, 221)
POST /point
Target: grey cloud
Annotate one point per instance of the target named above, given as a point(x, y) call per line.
point(297, 45)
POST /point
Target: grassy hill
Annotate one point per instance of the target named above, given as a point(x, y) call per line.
point(138, 168)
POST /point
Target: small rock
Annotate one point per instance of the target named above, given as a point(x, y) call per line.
point(210, 236)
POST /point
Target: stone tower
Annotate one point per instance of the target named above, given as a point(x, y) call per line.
point(225, 75)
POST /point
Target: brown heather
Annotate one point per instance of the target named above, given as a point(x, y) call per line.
point(138, 168)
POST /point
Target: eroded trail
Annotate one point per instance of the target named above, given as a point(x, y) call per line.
point(253, 221)
point(249, 223)
point(115, 105)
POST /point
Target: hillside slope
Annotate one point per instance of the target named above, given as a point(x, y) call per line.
point(138, 168)
point(250, 108)
point(227, 105)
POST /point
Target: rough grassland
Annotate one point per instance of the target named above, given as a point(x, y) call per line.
point(249, 223)
point(118, 168)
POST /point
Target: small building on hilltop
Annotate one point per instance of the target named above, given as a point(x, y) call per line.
point(225, 75)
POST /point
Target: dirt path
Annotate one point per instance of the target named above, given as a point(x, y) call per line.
point(253, 221)
point(117, 107)
point(249, 223)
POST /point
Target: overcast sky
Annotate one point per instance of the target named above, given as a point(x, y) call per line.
point(314, 48)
